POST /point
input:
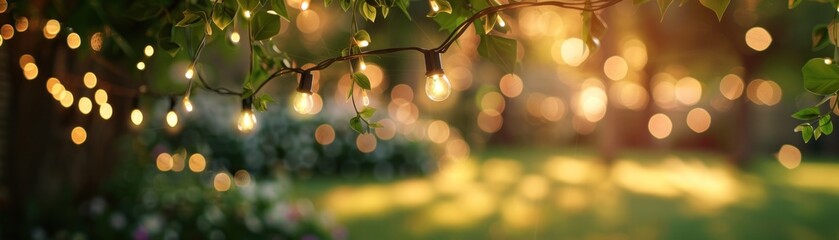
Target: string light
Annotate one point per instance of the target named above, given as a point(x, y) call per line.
point(136, 114)
point(303, 102)
point(437, 85)
point(364, 98)
point(187, 104)
point(52, 28)
point(247, 120)
point(363, 43)
point(141, 66)
point(500, 20)
point(7, 31)
point(435, 7)
point(828, 61)
point(304, 5)
point(247, 14)
point(234, 37)
point(171, 116)
point(149, 51)
point(78, 135)
point(189, 72)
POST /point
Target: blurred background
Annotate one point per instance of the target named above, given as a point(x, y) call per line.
point(677, 127)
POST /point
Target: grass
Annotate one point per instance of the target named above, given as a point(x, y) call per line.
point(567, 194)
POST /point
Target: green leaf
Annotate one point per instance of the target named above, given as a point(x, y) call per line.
point(164, 40)
point(489, 22)
point(362, 80)
point(249, 5)
point(500, 50)
point(362, 35)
point(593, 29)
point(794, 3)
point(820, 37)
point(827, 129)
point(403, 5)
point(326, 3)
point(261, 102)
point(385, 11)
point(369, 12)
point(718, 6)
point(355, 124)
point(662, 6)
point(367, 112)
point(279, 6)
point(820, 78)
point(345, 4)
point(265, 26)
point(817, 133)
point(801, 127)
point(443, 7)
point(224, 12)
point(824, 120)
point(807, 114)
point(807, 133)
point(375, 125)
point(191, 17)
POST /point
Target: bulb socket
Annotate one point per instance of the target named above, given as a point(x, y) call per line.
point(305, 85)
point(433, 64)
point(247, 103)
point(172, 102)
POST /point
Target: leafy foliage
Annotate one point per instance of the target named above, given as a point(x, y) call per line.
point(820, 78)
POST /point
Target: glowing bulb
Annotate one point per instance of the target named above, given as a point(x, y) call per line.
point(501, 22)
point(361, 64)
point(136, 117)
point(828, 61)
point(434, 6)
point(189, 73)
point(247, 14)
point(141, 66)
point(187, 104)
point(438, 87)
point(247, 121)
point(303, 103)
point(364, 99)
point(172, 118)
point(304, 5)
point(149, 50)
point(363, 43)
point(234, 37)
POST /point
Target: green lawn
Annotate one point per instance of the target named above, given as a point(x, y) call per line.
point(569, 194)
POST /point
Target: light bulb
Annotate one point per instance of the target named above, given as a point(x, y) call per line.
point(189, 73)
point(187, 104)
point(141, 66)
point(303, 103)
point(364, 98)
point(501, 22)
point(438, 87)
point(363, 43)
point(247, 121)
point(304, 5)
point(434, 6)
point(247, 14)
point(361, 64)
point(136, 117)
point(234, 37)
point(172, 118)
point(149, 50)
point(827, 61)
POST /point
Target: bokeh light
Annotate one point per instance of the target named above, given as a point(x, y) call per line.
point(789, 156)
point(615, 68)
point(510, 85)
point(197, 162)
point(324, 134)
point(221, 182)
point(758, 38)
point(78, 135)
point(731, 86)
point(366, 143)
point(699, 120)
point(660, 126)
